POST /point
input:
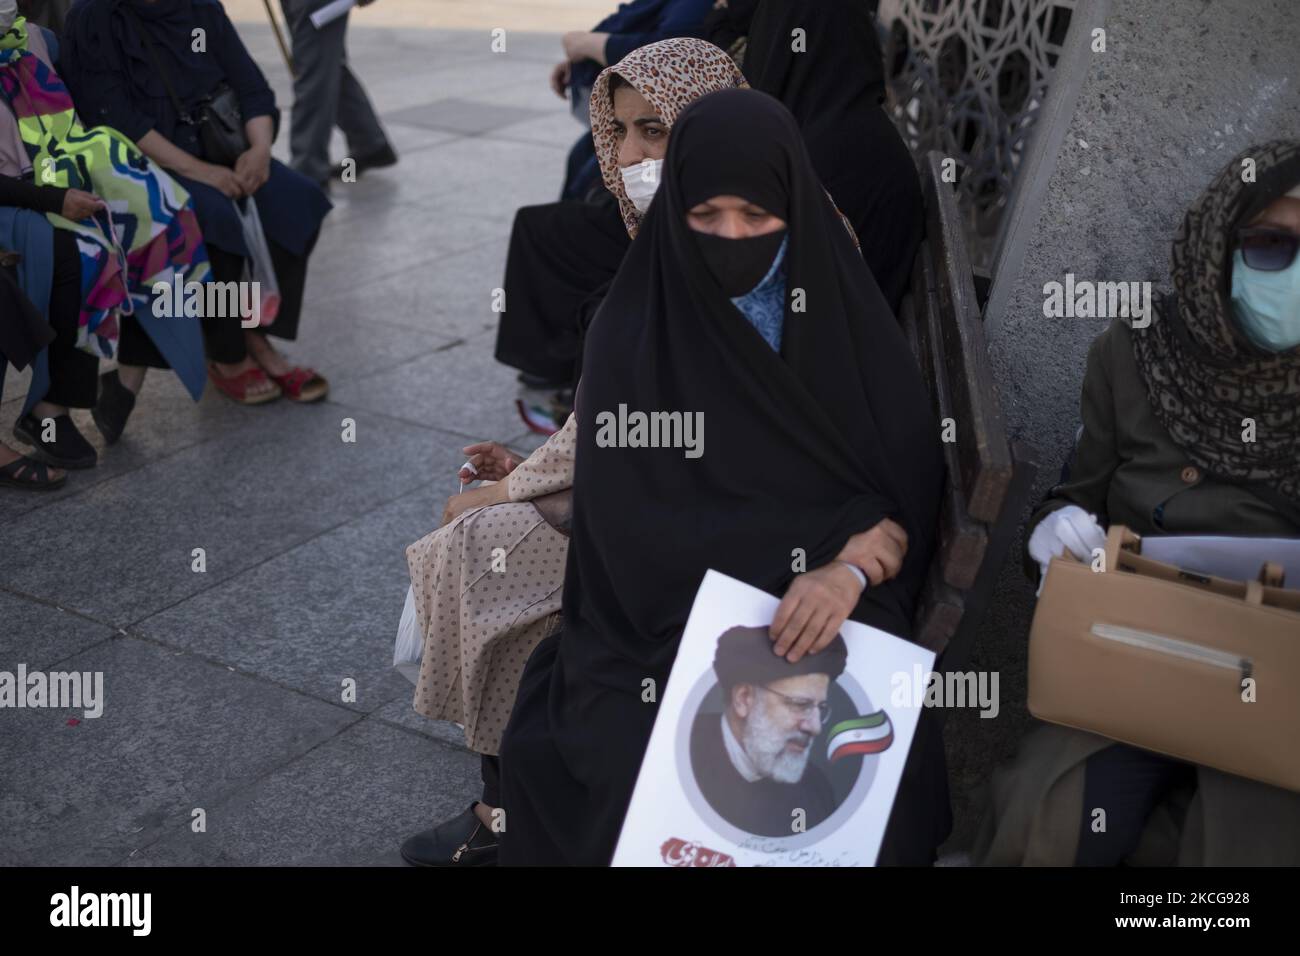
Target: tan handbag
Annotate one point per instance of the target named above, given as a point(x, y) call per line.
point(1200, 668)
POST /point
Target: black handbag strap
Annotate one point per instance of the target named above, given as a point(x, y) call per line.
point(181, 112)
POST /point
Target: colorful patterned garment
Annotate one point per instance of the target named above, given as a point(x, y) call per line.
point(149, 231)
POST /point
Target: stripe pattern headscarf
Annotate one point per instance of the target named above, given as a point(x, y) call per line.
point(1205, 380)
point(670, 74)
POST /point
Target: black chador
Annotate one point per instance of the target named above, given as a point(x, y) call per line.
point(807, 447)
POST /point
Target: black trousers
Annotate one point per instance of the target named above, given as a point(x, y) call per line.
point(73, 371)
point(560, 254)
point(1127, 783)
point(223, 338)
point(490, 768)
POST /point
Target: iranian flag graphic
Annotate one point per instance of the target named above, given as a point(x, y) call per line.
point(861, 735)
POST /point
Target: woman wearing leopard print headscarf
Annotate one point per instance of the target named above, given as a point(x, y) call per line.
point(1191, 425)
point(480, 623)
point(562, 255)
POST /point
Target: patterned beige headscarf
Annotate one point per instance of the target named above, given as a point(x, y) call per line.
point(1203, 376)
point(670, 74)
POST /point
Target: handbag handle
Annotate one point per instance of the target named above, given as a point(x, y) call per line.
point(1120, 538)
point(1124, 553)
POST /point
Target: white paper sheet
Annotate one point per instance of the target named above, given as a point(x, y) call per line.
point(331, 12)
point(671, 822)
point(1238, 559)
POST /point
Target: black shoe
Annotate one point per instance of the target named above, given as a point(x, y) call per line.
point(68, 449)
point(461, 841)
point(384, 156)
point(541, 382)
point(114, 407)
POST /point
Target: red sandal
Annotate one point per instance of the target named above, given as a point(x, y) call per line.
point(236, 387)
point(303, 384)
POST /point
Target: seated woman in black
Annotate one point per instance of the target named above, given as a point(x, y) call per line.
point(742, 299)
point(127, 63)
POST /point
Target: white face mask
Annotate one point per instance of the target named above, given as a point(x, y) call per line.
point(8, 14)
point(640, 181)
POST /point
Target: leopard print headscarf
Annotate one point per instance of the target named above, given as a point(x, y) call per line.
point(670, 74)
point(1204, 377)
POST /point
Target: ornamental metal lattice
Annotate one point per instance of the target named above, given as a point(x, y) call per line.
point(966, 77)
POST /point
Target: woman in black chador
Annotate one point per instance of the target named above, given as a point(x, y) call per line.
point(744, 299)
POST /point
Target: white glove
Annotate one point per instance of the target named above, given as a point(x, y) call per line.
point(1066, 529)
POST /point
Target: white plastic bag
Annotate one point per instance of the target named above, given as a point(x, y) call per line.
point(258, 265)
point(409, 647)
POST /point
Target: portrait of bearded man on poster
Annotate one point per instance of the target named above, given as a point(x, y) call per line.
point(752, 760)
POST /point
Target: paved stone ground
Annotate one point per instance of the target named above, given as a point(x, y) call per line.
point(224, 689)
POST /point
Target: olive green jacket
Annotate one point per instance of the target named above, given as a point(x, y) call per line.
point(1126, 469)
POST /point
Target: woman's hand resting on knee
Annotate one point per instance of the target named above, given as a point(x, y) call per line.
point(490, 462)
point(818, 602)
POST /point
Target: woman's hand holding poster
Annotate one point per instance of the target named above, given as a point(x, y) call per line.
point(755, 761)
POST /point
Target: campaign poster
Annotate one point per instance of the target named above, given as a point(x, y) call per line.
point(754, 761)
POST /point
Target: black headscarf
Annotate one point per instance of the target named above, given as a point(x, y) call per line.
point(833, 84)
point(802, 449)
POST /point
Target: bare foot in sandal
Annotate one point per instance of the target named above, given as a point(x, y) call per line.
point(246, 389)
point(299, 384)
point(19, 471)
point(264, 353)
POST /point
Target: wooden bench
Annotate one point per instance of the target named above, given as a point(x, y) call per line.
point(989, 476)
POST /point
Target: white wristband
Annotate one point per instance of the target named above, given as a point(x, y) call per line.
point(857, 572)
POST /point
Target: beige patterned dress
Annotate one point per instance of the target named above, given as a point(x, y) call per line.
point(483, 610)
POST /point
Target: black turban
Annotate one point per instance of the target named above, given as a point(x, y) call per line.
point(745, 656)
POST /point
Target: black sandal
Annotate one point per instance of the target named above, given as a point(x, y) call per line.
point(28, 473)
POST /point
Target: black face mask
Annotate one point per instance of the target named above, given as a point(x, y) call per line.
point(739, 264)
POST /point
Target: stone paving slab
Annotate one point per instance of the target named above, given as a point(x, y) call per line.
point(166, 421)
point(176, 733)
point(41, 635)
point(350, 801)
point(459, 311)
point(321, 613)
point(401, 711)
point(121, 549)
point(460, 116)
point(433, 389)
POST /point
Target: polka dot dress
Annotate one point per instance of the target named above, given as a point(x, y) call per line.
point(487, 590)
